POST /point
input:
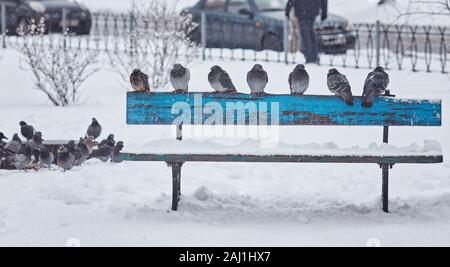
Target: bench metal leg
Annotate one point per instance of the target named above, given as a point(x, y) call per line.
point(179, 182)
point(385, 189)
point(176, 184)
point(385, 169)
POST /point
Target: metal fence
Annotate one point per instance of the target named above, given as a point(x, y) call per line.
point(402, 47)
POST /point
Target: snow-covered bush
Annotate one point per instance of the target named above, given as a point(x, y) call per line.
point(58, 71)
point(157, 39)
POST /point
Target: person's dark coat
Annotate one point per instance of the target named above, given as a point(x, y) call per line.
point(308, 8)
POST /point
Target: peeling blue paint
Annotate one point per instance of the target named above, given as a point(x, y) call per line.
point(156, 109)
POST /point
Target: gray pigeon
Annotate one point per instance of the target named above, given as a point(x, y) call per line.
point(23, 159)
point(90, 143)
point(139, 81)
point(103, 153)
point(81, 152)
point(3, 155)
point(2, 143)
point(220, 80)
point(65, 159)
point(3, 152)
point(376, 84)
point(94, 130)
point(179, 78)
point(74, 149)
point(71, 146)
point(46, 158)
point(15, 145)
point(299, 80)
point(26, 130)
point(108, 141)
point(36, 141)
point(116, 152)
point(257, 79)
point(339, 85)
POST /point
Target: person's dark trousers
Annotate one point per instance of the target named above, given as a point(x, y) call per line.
point(309, 42)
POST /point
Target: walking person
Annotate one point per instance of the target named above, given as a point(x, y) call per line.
point(306, 12)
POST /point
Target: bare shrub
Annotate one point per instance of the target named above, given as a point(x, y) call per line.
point(157, 39)
point(58, 71)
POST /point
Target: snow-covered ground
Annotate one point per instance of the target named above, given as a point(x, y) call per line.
point(354, 10)
point(223, 204)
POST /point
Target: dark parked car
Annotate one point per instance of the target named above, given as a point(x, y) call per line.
point(258, 25)
point(21, 13)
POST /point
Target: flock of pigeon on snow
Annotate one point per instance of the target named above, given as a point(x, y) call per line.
point(33, 154)
point(376, 82)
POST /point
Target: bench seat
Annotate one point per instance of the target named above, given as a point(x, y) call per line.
point(299, 158)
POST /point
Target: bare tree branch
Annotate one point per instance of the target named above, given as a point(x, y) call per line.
point(58, 71)
point(430, 8)
point(158, 39)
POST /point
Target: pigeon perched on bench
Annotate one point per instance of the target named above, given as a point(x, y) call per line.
point(339, 85)
point(26, 130)
point(179, 78)
point(65, 159)
point(376, 84)
point(299, 80)
point(46, 158)
point(94, 130)
point(220, 80)
point(139, 81)
point(257, 79)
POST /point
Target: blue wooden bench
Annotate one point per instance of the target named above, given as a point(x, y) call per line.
point(289, 110)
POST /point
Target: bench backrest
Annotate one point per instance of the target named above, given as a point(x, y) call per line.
point(244, 109)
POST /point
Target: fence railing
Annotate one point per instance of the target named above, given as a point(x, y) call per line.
point(402, 47)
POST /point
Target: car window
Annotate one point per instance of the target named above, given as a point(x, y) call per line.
point(271, 5)
point(215, 5)
point(235, 5)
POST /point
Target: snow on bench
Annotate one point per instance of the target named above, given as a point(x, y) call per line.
point(205, 151)
point(281, 110)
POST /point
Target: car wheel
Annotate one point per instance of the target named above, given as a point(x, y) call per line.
point(272, 42)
